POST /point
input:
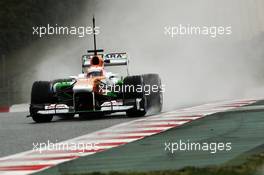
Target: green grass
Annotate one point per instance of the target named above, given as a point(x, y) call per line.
point(251, 166)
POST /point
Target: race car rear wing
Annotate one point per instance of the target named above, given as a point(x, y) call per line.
point(115, 59)
point(110, 59)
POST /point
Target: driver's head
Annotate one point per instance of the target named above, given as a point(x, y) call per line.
point(97, 60)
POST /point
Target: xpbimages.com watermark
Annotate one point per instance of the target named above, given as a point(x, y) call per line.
point(184, 146)
point(79, 31)
point(63, 146)
point(191, 30)
point(147, 89)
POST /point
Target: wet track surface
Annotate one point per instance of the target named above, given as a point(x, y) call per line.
point(244, 130)
point(18, 133)
point(219, 121)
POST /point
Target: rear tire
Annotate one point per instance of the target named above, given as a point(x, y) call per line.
point(151, 102)
point(41, 93)
point(155, 97)
point(134, 81)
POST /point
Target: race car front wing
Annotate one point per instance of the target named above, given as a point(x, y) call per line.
point(106, 107)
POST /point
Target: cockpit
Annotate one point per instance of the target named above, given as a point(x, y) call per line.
point(95, 72)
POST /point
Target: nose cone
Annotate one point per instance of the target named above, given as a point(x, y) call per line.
point(83, 85)
point(78, 88)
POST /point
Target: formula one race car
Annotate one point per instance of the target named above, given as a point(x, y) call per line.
point(97, 92)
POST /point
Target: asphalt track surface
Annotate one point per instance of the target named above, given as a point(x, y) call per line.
point(18, 133)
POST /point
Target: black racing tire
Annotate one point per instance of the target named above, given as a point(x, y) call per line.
point(155, 96)
point(151, 100)
point(42, 118)
point(135, 81)
point(41, 93)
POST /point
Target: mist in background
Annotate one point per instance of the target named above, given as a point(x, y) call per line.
point(194, 69)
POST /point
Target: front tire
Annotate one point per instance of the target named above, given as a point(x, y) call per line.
point(41, 118)
point(41, 93)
